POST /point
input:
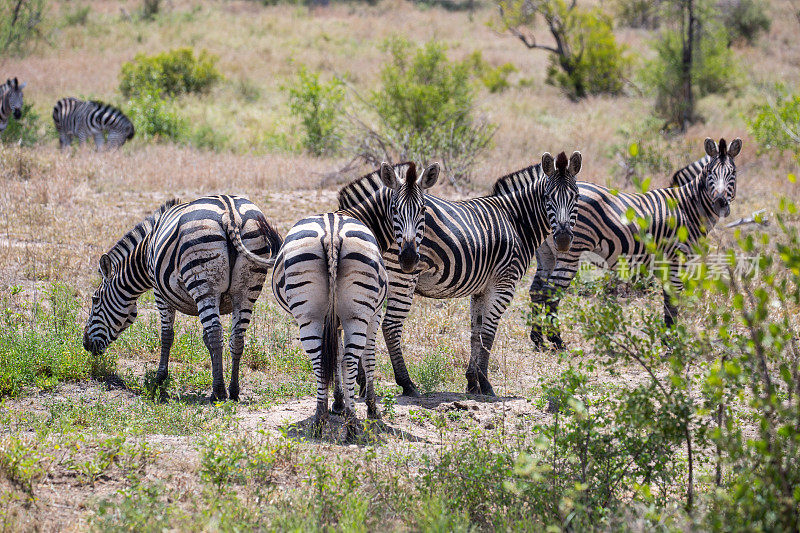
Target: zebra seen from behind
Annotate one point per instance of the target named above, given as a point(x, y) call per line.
point(10, 101)
point(603, 230)
point(330, 275)
point(478, 248)
point(204, 258)
point(84, 119)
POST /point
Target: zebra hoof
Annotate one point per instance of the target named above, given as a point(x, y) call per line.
point(219, 395)
point(486, 389)
point(233, 394)
point(537, 340)
point(557, 342)
point(473, 388)
point(337, 408)
point(409, 389)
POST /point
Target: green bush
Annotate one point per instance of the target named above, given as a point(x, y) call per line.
point(155, 118)
point(713, 70)
point(24, 131)
point(638, 13)
point(425, 110)
point(494, 79)
point(318, 105)
point(777, 126)
point(744, 19)
point(20, 24)
point(77, 16)
point(599, 65)
point(172, 73)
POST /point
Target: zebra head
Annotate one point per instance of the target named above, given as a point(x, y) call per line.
point(14, 96)
point(113, 310)
point(560, 196)
point(407, 207)
point(719, 177)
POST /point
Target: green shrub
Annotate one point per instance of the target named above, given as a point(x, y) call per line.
point(744, 19)
point(494, 79)
point(26, 130)
point(155, 118)
point(171, 73)
point(425, 110)
point(318, 105)
point(777, 126)
point(77, 16)
point(602, 65)
point(638, 13)
point(20, 24)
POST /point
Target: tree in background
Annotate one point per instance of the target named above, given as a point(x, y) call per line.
point(692, 60)
point(19, 23)
point(776, 125)
point(585, 57)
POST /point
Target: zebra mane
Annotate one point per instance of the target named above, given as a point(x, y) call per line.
point(126, 244)
point(521, 179)
point(361, 188)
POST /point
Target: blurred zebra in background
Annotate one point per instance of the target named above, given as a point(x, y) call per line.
point(329, 275)
point(604, 231)
point(689, 172)
point(205, 258)
point(10, 101)
point(84, 119)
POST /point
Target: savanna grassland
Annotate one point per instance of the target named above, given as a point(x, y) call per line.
point(82, 443)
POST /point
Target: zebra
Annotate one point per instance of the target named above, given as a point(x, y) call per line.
point(689, 172)
point(204, 258)
point(80, 118)
point(478, 248)
point(10, 101)
point(603, 231)
point(329, 275)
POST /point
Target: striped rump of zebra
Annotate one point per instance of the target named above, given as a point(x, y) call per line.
point(604, 235)
point(84, 119)
point(204, 258)
point(10, 101)
point(330, 275)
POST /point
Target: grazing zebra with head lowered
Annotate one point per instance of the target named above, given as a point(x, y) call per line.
point(82, 119)
point(479, 248)
point(603, 229)
point(329, 275)
point(10, 101)
point(689, 172)
point(204, 258)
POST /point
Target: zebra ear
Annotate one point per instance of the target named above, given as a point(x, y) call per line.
point(22, 85)
point(547, 164)
point(105, 266)
point(575, 161)
point(711, 147)
point(388, 176)
point(429, 176)
point(734, 147)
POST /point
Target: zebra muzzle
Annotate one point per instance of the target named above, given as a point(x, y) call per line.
point(563, 240)
point(409, 257)
point(722, 207)
point(17, 114)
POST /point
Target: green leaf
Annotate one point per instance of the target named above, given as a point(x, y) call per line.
point(633, 149)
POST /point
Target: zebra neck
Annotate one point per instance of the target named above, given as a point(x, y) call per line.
point(373, 212)
point(697, 201)
point(526, 209)
point(133, 278)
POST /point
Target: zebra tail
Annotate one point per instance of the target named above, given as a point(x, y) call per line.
point(330, 329)
point(235, 235)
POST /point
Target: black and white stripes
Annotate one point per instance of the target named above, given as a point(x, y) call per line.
point(604, 229)
point(330, 275)
point(479, 248)
point(10, 101)
point(84, 119)
point(205, 258)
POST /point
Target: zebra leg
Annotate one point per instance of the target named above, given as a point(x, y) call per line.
point(398, 304)
point(487, 309)
point(337, 408)
point(239, 323)
point(367, 366)
point(213, 339)
point(545, 263)
point(64, 140)
point(670, 300)
point(99, 140)
point(167, 314)
point(476, 323)
point(356, 331)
